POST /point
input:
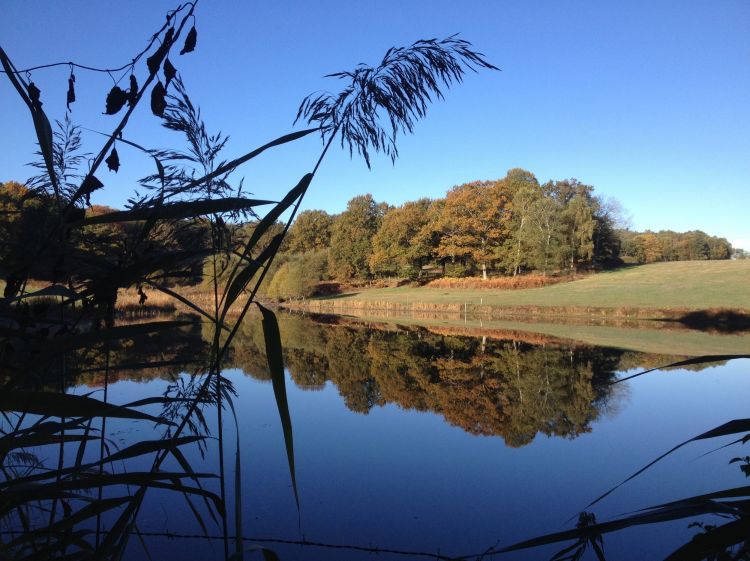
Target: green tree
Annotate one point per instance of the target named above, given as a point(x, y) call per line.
point(351, 238)
point(578, 225)
point(299, 276)
point(609, 216)
point(311, 231)
point(526, 191)
point(397, 247)
point(544, 238)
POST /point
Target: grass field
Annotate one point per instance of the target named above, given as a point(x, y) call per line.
point(694, 285)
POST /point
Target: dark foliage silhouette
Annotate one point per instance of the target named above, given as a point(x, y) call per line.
point(86, 505)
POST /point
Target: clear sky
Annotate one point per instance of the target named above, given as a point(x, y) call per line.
point(649, 101)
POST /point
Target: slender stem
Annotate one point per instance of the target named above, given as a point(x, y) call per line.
point(125, 66)
point(266, 268)
point(124, 121)
point(131, 512)
point(101, 442)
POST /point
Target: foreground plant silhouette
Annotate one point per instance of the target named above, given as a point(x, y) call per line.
point(86, 506)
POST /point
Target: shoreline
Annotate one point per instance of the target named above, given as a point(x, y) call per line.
point(722, 319)
point(648, 336)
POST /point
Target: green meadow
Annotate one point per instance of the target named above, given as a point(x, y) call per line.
point(693, 285)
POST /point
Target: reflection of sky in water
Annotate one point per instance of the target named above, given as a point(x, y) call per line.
point(408, 480)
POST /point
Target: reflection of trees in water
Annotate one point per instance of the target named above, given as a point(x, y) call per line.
point(507, 388)
point(487, 387)
point(163, 354)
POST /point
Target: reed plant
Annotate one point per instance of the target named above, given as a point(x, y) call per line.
point(86, 504)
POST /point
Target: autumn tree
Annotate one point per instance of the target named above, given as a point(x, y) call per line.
point(474, 222)
point(667, 245)
point(351, 238)
point(719, 248)
point(646, 248)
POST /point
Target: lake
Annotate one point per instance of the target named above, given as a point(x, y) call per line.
point(428, 442)
point(450, 439)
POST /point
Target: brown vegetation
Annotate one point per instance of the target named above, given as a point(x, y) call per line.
point(500, 283)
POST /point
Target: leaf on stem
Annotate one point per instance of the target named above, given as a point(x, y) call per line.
point(190, 41)
point(275, 358)
point(116, 99)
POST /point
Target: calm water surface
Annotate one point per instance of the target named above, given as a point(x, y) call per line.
point(411, 440)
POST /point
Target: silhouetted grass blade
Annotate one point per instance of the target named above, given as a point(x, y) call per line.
point(275, 358)
point(666, 514)
point(184, 300)
point(687, 362)
point(173, 211)
point(240, 281)
point(165, 400)
point(157, 161)
point(732, 427)
point(81, 515)
point(41, 122)
point(52, 290)
point(7, 445)
point(93, 480)
point(67, 405)
point(185, 465)
point(150, 446)
point(270, 218)
point(136, 450)
point(229, 166)
point(117, 333)
point(238, 541)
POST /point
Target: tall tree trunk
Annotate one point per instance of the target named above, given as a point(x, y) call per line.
point(484, 271)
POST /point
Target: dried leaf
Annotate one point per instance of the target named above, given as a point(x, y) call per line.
point(169, 71)
point(154, 61)
point(133, 92)
point(71, 90)
point(89, 185)
point(190, 41)
point(116, 99)
point(113, 160)
point(34, 95)
point(158, 101)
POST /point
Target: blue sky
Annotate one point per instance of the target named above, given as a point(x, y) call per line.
point(647, 101)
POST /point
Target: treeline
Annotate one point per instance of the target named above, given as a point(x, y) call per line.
point(509, 226)
point(666, 245)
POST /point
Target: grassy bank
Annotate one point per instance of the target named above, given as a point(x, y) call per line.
point(647, 337)
point(687, 285)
